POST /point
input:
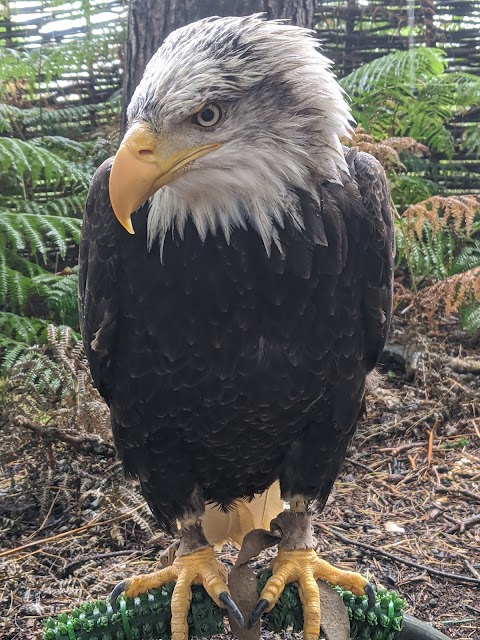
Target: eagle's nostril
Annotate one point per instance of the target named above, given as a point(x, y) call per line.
point(145, 154)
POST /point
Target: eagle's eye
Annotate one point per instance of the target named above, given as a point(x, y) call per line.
point(209, 116)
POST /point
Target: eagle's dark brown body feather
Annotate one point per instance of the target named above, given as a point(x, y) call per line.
point(226, 368)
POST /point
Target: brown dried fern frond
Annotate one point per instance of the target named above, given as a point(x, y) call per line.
point(438, 212)
point(451, 293)
point(402, 296)
point(386, 151)
point(125, 499)
point(54, 380)
point(407, 144)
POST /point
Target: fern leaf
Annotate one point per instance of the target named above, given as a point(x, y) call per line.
point(12, 235)
point(471, 140)
point(395, 69)
point(67, 207)
point(42, 232)
point(71, 121)
point(13, 155)
point(470, 317)
point(34, 238)
point(22, 264)
point(17, 329)
point(3, 279)
point(21, 156)
point(66, 146)
point(467, 259)
point(453, 293)
point(431, 233)
point(7, 113)
point(60, 294)
point(13, 354)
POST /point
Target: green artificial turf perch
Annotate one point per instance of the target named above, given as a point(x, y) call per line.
point(148, 616)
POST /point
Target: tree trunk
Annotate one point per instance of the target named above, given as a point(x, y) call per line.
point(150, 22)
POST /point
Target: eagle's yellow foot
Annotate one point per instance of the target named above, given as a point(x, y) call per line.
point(198, 567)
point(303, 566)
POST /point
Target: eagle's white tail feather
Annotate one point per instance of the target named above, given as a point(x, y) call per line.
point(231, 526)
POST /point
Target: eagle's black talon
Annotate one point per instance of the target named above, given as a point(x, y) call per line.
point(232, 608)
point(257, 613)
point(370, 591)
point(117, 591)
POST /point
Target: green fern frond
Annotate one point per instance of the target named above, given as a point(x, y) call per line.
point(12, 235)
point(7, 114)
point(408, 94)
point(50, 118)
point(60, 294)
point(40, 232)
point(15, 329)
point(470, 317)
point(64, 146)
point(401, 68)
point(49, 378)
point(434, 105)
point(66, 207)
point(3, 279)
point(16, 290)
point(53, 297)
point(23, 263)
point(13, 354)
point(468, 258)
point(48, 154)
point(409, 189)
point(14, 154)
point(471, 140)
point(468, 90)
point(38, 373)
point(436, 237)
point(431, 255)
point(22, 156)
point(55, 59)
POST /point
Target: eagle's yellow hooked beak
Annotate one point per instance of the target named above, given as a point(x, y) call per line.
point(142, 165)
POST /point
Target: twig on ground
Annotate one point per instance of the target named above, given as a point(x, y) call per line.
point(472, 569)
point(85, 444)
point(406, 447)
point(460, 527)
point(391, 556)
point(463, 492)
point(360, 465)
point(410, 359)
point(431, 434)
point(71, 566)
point(93, 523)
point(464, 366)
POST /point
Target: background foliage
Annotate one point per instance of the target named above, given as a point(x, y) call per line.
point(61, 120)
point(407, 98)
point(54, 132)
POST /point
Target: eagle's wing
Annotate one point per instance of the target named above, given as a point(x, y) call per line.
point(376, 246)
point(98, 277)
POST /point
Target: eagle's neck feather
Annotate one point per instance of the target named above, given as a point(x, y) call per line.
point(238, 189)
point(169, 214)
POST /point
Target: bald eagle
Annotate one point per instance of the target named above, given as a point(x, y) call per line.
point(232, 322)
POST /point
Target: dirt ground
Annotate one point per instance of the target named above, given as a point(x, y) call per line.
point(405, 509)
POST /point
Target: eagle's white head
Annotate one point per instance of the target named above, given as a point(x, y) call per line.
point(231, 116)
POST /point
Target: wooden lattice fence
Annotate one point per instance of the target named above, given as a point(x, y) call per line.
point(89, 59)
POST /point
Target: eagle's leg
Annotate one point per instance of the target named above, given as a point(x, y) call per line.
point(194, 563)
point(297, 562)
